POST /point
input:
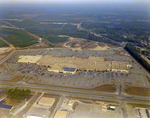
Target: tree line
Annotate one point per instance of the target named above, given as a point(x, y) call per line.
point(134, 52)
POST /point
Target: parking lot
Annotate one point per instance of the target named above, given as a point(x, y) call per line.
point(81, 79)
point(91, 80)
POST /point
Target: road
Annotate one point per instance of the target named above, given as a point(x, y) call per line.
point(98, 35)
point(58, 106)
point(7, 43)
point(7, 57)
point(79, 93)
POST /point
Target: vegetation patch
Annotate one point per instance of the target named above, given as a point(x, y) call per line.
point(135, 53)
point(105, 88)
point(3, 44)
point(51, 46)
point(56, 39)
point(18, 94)
point(17, 37)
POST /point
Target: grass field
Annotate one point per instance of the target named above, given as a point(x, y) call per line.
point(17, 37)
point(17, 78)
point(105, 88)
point(3, 44)
point(138, 91)
point(56, 39)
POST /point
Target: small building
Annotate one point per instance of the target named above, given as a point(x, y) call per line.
point(45, 101)
point(111, 108)
point(71, 103)
point(61, 114)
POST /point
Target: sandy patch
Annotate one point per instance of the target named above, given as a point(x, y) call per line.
point(5, 50)
point(101, 47)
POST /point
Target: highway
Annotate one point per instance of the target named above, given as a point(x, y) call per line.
point(7, 57)
point(79, 93)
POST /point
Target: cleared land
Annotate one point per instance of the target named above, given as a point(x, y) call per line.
point(17, 78)
point(95, 101)
point(4, 51)
point(138, 91)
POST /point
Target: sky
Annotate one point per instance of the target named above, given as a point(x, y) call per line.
point(75, 1)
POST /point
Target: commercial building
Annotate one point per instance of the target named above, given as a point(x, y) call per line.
point(45, 101)
point(29, 59)
point(120, 66)
point(63, 68)
point(61, 114)
point(70, 64)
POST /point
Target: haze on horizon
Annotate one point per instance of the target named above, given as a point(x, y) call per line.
point(136, 2)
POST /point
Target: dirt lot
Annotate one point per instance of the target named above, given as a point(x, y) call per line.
point(138, 91)
point(93, 101)
point(17, 78)
point(2, 66)
point(105, 88)
point(101, 46)
point(4, 52)
point(11, 102)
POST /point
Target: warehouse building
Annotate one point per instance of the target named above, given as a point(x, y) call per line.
point(45, 101)
point(61, 114)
